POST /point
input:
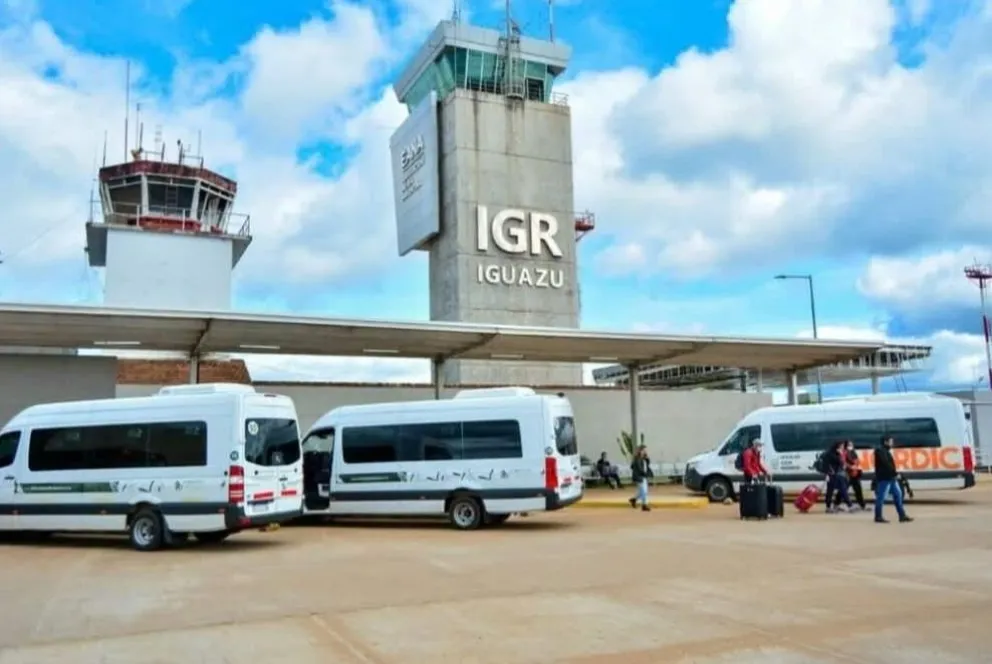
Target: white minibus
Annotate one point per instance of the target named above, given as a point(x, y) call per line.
point(933, 445)
point(209, 459)
point(476, 458)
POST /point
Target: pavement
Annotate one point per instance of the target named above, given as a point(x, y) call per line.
point(661, 497)
point(570, 587)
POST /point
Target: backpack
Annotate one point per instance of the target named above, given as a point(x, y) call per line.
point(820, 464)
point(739, 461)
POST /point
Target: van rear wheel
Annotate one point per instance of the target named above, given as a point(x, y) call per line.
point(465, 512)
point(146, 530)
point(718, 489)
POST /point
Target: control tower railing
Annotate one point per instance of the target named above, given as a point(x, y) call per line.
point(177, 219)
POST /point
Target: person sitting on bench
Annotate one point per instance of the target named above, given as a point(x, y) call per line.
point(608, 472)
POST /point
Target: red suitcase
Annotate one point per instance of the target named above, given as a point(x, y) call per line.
point(807, 498)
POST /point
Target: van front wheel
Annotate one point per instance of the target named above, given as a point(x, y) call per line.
point(465, 513)
point(718, 489)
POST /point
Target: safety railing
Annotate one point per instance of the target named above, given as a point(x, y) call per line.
point(177, 219)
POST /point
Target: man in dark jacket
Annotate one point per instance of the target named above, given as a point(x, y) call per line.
point(887, 481)
point(837, 485)
point(640, 473)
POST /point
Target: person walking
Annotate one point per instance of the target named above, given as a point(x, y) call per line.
point(836, 478)
point(887, 481)
point(853, 466)
point(640, 473)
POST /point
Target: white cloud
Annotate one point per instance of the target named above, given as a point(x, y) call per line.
point(309, 77)
point(804, 137)
point(912, 283)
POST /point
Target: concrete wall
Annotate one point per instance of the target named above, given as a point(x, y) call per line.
point(504, 156)
point(26, 380)
point(148, 269)
point(676, 424)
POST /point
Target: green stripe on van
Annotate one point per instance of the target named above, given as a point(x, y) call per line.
point(362, 478)
point(69, 487)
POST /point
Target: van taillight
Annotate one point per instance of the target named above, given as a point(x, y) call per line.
point(235, 485)
point(550, 473)
point(969, 460)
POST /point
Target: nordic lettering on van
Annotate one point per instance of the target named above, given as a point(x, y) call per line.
point(516, 232)
point(913, 459)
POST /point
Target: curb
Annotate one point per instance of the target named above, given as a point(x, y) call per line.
point(687, 503)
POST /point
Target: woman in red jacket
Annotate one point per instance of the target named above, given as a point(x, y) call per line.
point(754, 467)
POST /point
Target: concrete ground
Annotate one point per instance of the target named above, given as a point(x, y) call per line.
point(577, 586)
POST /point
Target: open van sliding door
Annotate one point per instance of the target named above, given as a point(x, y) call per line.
point(317, 449)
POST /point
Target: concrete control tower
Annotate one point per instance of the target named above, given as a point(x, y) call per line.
point(482, 173)
point(168, 238)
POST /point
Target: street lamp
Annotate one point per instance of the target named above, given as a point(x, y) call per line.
point(812, 309)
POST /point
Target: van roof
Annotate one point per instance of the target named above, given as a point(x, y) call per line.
point(867, 402)
point(118, 405)
point(438, 405)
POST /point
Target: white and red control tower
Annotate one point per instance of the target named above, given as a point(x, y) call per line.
point(169, 238)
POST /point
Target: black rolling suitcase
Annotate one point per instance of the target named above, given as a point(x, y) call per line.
point(754, 501)
point(776, 500)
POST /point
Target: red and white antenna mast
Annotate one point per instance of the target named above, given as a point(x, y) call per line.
point(982, 275)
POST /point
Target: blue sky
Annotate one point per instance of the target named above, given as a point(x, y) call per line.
point(719, 143)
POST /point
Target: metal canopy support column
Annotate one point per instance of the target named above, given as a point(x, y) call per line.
point(194, 369)
point(874, 383)
point(793, 385)
point(635, 387)
point(761, 381)
point(437, 376)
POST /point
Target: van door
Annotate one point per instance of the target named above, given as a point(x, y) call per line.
point(9, 441)
point(317, 449)
point(273, 483)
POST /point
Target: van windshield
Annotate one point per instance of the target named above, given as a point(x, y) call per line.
point(565, 439)
point(272, 442)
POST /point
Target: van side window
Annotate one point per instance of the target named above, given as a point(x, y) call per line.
point(740, 438)
point(432, 441)
point(8, 447)
point(138, 445)
point(816, 436)
point(321, 440)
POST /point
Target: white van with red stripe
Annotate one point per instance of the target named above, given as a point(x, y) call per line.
point(208, 460)
point(478, 458)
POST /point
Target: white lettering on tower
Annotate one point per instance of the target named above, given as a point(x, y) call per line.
point(516, 232)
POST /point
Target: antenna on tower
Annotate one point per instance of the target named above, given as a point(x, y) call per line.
point(104, 147)
point(93, 184)
point(127, 103)
point(456, 12)
point(137, 130)
point(551, 20)
point(982, 275)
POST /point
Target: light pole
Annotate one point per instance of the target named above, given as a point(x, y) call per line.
point(812, 309)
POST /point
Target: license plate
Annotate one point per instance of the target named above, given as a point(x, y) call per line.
point(263, 507)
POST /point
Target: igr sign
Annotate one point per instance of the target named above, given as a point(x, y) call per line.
point(517, 232)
